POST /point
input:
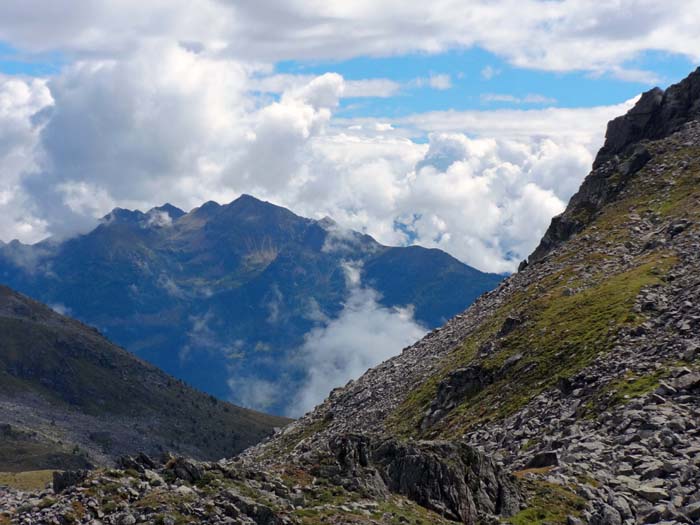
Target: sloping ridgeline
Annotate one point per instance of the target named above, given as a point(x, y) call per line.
point(228, 292)
point(567, 395)
point(69, 398)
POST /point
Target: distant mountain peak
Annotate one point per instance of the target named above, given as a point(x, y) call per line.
point(245, 197)
point(122, 215)
point(207, 208)
point(173, 211)
point(327, 223)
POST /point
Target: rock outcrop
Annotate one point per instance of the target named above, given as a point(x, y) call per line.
point(451, 478)
point(656, 115)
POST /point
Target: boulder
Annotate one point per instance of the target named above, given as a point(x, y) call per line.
point(451, 478)
point(185, 469)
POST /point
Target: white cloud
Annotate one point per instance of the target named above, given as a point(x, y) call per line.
point(557, 36)
point(363, 335)
point(20, 99)
point(259, 394)
point(584, 124)
point(159, 123)
point(440, 82)
point(171, 125)
point(284, 82)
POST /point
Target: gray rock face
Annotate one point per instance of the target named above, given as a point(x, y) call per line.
point(458, 385)
point(185, 469)
point(451, 478)
point(543, 459)
point(656, 115)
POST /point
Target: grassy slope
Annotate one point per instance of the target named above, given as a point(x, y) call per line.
point(563, 333)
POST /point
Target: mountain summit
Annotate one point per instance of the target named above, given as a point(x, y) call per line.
point(225, 296)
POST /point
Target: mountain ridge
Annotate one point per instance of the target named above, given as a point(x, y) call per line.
point(63, 385)
point(167, 285)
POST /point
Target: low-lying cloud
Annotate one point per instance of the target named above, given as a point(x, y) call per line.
point(362, 336)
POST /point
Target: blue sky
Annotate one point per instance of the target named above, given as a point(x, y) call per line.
point(478, 80)
point(14, 62)
point(471, 84)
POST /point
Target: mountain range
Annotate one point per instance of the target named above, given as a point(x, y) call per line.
point(567, 395)
point(223, 297)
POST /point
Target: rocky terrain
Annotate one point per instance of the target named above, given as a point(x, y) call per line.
point(71, 399)
point(166, 286)
point(570, 394)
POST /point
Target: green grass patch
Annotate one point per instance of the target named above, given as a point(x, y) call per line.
point(30, 480)
point(548, 504)
point(562, 336)
point(624, 390)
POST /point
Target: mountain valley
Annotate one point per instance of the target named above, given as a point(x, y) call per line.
point(570, 394)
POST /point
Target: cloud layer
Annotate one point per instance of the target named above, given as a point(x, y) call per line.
point(528, 33)
point(171, 124)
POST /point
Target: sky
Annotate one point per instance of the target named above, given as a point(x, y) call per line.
point(463, 125)
point(456, 124)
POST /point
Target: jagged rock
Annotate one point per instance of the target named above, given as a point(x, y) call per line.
point(635, 162)
point(607, 515)
point(692, 511)
point(651, 493)
point(261, 514)
point(451, 478)
point(67, 479)
point(458, 385)
point(185, 469)
point(509, 324)
point(657, 114)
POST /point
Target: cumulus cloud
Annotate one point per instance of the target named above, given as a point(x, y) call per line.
point(158, 123)
point(169, 124)
point(283, 82)
point(363, 335)
point(20, 100)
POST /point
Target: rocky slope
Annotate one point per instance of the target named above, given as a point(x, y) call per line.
point(70, 399)
point(223, 296)
point(570, 394)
